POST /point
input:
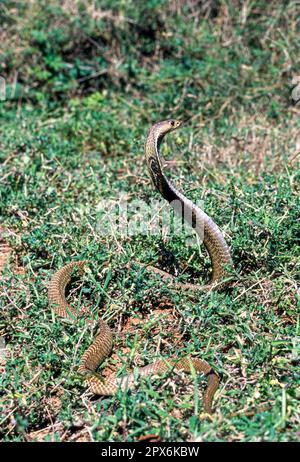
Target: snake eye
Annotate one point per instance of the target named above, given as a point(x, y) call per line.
point(172, 123)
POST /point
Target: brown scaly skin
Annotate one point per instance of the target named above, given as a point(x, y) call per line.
point(220, 258)
point(102, 345)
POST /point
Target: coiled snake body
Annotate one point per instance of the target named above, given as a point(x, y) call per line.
point(220, 258)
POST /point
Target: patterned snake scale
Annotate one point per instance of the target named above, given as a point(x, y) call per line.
point(220, 258)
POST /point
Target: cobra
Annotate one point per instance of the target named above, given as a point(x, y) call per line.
point(220, 257)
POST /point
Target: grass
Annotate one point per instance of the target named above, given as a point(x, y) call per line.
point(71, 139)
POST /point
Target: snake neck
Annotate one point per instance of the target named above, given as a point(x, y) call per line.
point(204, 226)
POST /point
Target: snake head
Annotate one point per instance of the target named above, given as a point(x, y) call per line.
point(162, 128)
point(170, 125)
point(174, 123)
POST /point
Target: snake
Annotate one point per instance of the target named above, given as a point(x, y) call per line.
point(102, 344)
